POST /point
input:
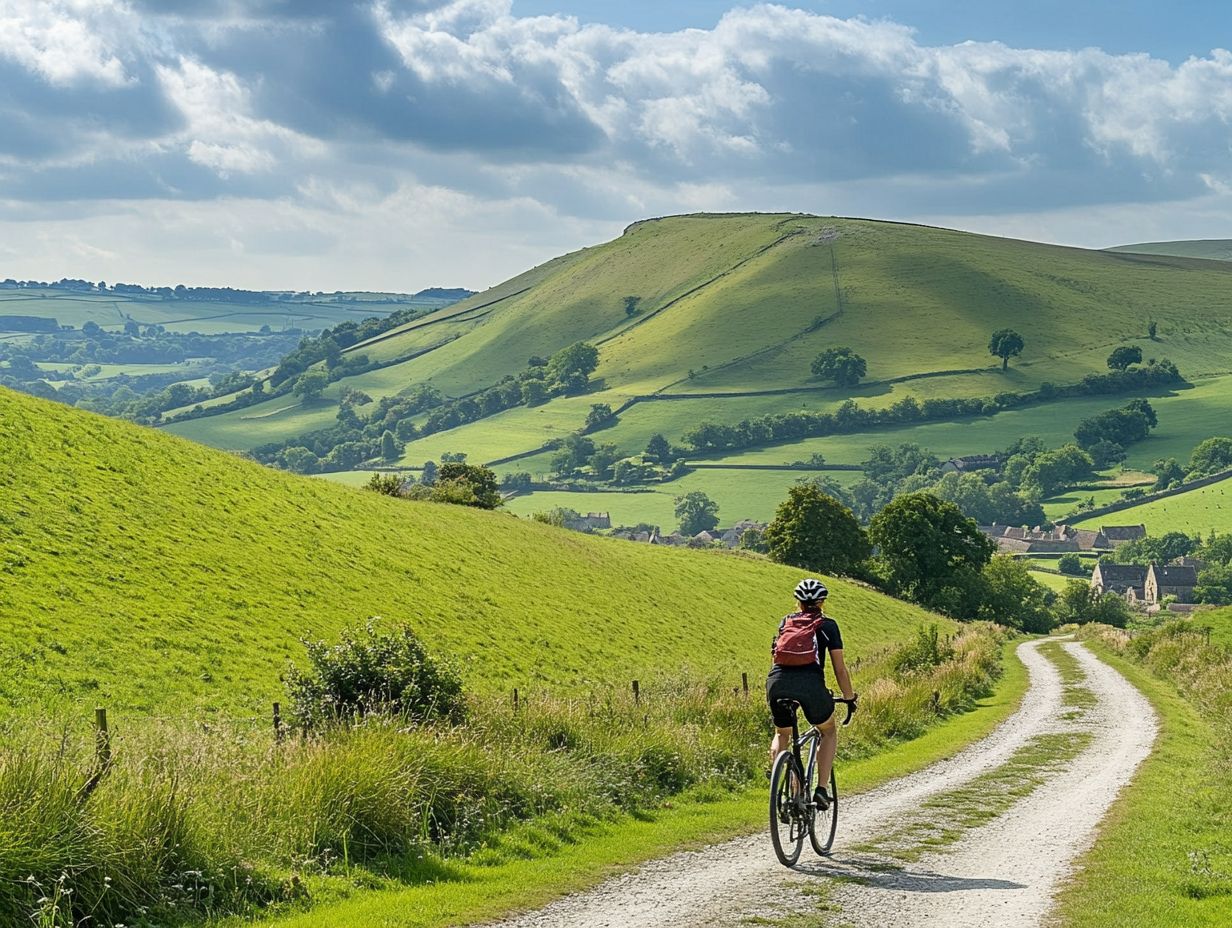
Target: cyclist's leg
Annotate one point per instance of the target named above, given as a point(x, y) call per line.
point(827, 744)
point(781, 742)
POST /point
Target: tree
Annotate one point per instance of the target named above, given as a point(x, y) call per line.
point(1080, 603)
point(1122, 357)
point(659, 451)
point(631, 305)
point(602, 459)
point(389, 446)
point(1013, 597)
point(570, 368)
point(1005, 344)
point(600, 416)
point(1211, 456)
point(1070, 564)
point(463, 485)
point(310, 385)
point(1054, 470)
point(575, 452)
point(300, 460)
point(1152, 327)
point(841, 365)
point(1155, 549)
point(930, 553)
point(1167, 472)
point(534, 392)
point(813, 530)
point(696, 512)
point(428, 477)
point(1214, 585)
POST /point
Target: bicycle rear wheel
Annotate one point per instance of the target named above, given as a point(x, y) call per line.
point(823, 825)
point(789, 810)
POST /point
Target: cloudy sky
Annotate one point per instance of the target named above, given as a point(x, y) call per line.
point(398, 144)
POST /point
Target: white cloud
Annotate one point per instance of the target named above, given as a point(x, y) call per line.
point(66, 42)
point(451, 111)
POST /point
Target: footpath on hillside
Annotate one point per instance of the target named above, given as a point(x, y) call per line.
point(981, 839)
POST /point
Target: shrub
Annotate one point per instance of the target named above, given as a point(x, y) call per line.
point(1070, 564)
point(373, 670)
point(924, 653)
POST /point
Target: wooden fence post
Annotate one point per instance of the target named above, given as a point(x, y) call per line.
point(637, 693)
point(277, 723)
point(936, 701)
point(744, 683)
point(515, 699)
point(102, 739)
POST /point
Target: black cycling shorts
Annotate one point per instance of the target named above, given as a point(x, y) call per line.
point(805, 685)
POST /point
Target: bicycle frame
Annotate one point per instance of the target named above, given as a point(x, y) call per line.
point(810, 740)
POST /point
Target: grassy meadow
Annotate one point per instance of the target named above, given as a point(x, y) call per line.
point(157, 575)
point(1194, 512)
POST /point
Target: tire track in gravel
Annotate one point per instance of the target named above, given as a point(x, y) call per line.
point(1001, 873)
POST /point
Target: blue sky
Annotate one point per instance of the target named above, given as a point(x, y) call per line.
point(397, 144)
point(1171, 31)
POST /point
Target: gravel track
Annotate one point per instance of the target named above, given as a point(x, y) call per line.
point(1003, 873)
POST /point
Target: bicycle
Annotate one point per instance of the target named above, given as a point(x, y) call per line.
point(792, 811)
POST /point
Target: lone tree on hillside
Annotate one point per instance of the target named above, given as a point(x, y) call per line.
point(389, 446)
point(659, 451)
point(1005, 344)
point(815, 531)
point(600, 416)
point(842, 365)
point(697, 512)
point(1124, 356)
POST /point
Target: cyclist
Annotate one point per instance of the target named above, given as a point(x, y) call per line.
point(798, 675)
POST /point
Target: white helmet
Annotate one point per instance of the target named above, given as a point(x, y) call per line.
point(809, 590)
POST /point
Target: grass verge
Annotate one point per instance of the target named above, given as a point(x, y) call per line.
point(464, 893)
point(1163, 858)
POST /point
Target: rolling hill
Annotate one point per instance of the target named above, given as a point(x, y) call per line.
point(1214, 249)
point(150, 573)
point(718, 317)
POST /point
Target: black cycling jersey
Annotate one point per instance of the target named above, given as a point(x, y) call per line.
point(805, 684)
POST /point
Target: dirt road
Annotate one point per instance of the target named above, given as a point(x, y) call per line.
point(981, 839)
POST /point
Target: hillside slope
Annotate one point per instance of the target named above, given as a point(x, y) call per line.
point(1213, 249)
point(142, 571)
point(732, 304)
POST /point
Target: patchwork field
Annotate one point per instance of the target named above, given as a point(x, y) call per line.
point(736, 303)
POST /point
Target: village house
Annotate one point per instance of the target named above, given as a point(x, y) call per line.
point(731, 537)
point(591, 522)
point(970, 463)
point(1018, 539)
point(1128, 580)
point(1170, 580)
point(1118, 535)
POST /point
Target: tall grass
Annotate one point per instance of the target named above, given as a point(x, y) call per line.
point(1177, 652)
point(194, 820)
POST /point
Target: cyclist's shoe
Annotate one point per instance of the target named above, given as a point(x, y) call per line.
point(785, 813)
point(821, 799)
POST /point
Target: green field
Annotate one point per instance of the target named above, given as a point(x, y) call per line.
point(738, 302)
point(113, 310)
point(1195, 512)
point(153, 574)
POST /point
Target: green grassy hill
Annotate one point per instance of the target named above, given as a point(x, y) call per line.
point(1214, 249)
point(142, 571)
point(1195, 512)
point(731, 309)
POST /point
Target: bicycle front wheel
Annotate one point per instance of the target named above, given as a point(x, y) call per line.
point(823, 825)
point(789, 809)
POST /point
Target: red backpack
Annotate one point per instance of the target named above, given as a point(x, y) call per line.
point(797, 645)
